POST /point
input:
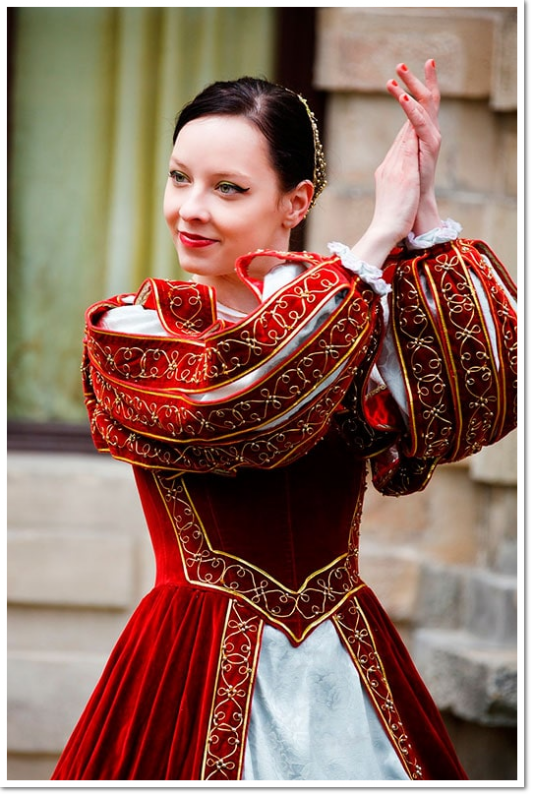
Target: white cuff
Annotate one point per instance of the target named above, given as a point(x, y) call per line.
point(448, 230)
point(370, 274)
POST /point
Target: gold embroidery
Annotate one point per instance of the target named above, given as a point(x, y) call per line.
point(239, 652)
point(258, 394)
point(454, 386)
point(197, 362)
point(271, 448)
point(421, 363)
point(297, 612)
point(357, 636)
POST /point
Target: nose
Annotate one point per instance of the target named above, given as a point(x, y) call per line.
point(193, 205)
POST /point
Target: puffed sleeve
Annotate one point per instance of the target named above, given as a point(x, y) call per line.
point(452, 338)
point(212, 396)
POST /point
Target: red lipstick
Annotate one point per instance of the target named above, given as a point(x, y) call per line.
point(194, 241)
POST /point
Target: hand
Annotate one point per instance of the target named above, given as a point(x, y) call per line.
point(422, 109)
point(397, 199)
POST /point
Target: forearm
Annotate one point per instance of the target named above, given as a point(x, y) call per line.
point(374, 246)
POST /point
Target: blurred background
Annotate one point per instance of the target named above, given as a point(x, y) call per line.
point(92, 97)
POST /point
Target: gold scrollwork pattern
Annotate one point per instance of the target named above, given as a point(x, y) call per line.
point(259, 393)
point(507, 342)
point(228, 723)
point(271, 448)
point(458, 393)
point(295, 611)
point(359, 641)
point(222, 354)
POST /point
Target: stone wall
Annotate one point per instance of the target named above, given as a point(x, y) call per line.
point(79, 561)
point(444, 562)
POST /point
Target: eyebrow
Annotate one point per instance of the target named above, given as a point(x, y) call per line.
point(236, 175)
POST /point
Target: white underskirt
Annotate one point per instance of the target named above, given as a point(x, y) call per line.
point(311, 718)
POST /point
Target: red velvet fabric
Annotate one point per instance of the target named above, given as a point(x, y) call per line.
point(218, 397)
point(270, 541)
point(147, 718)
point(268, 518)
point(150, 714)
point(459, 398)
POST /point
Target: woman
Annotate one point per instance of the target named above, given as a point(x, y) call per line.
point(249, 401)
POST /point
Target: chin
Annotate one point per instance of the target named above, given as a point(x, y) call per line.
point(200, 272)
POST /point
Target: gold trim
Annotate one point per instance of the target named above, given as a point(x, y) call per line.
point(454, 398)
point(242, 333)
point(356, 636)
point(115, 385)
point(232, 695)
point(413, 393)
point(321, 594)
point(499, 376)
point(490, 364)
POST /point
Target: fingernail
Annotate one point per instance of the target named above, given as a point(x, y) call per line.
point(433, 64)
point(393, 83)
point(403, 67)
point(405, 98)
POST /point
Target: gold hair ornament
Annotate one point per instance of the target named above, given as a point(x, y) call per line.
point(319, 173)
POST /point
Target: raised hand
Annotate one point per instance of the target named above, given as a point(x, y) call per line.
point(421, 106)
point(397, 198)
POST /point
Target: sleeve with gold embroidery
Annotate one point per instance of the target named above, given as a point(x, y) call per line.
point(453, 330)
point(214, 396)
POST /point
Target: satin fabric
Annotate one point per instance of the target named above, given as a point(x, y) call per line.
point(331, 713)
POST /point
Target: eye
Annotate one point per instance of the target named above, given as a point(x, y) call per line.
point(229, 188)
point(178, 177)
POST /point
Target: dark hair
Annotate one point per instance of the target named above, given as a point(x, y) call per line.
point(277, 112)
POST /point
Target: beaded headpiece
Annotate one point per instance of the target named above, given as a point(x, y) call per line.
point(319, 172)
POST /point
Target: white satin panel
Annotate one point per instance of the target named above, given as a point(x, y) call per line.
point(311, 718)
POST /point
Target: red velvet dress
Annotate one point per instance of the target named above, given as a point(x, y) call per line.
point(253, 496)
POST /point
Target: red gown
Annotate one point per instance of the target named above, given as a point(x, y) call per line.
point(252, 485)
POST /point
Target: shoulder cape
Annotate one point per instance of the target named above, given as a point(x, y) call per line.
point(217, 397)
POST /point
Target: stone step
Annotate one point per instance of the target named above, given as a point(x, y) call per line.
point(481, 602)
point(490, 606)
point(474, 680)
point(46, 695)
point(77, 536)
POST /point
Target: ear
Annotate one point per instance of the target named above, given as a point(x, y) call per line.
point(297, 203)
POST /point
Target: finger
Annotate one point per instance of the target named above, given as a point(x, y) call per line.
point(404, 136)
point(413, 84)
point(405, 145)
point(422, 120)
point(430, 74)
point(426, 93)
point(414, 111)
point(432, 83)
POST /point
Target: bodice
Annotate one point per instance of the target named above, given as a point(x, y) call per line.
point(284, 541)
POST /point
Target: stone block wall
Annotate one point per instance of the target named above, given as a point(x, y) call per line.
point(444, 561)
point(79, 561)
point(475, 51)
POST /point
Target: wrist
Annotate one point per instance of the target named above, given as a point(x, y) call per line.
point(427, 216)
point(375, 245)
point(367, 272)
point(443, 232)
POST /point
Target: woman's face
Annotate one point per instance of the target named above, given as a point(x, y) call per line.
point(223, 198)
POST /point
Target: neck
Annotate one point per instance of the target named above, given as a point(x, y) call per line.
point(231, 292)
